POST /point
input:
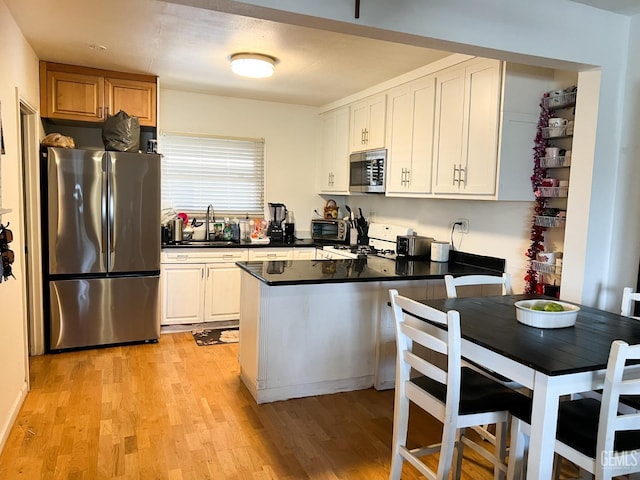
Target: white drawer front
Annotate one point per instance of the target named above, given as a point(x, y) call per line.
point(204, 255)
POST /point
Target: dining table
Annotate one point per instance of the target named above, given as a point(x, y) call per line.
point(551, 362)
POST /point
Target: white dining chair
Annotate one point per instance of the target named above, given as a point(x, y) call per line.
point(458, 397)
point(629, 297)
point(592, 433)
point(452, 283)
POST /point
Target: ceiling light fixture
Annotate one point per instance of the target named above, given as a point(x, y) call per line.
point(254, 65)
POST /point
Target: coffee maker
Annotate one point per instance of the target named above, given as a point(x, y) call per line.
point(278, 213)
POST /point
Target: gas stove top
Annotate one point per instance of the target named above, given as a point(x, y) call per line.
point(382, 242)
point(359, 251)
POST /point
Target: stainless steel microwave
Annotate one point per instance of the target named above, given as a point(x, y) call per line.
point(328, 230)
point(367, 171)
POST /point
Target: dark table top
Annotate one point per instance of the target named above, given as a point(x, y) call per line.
point(371, 268)
point(491, 322)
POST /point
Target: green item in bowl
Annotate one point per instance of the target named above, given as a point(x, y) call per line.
point(553, 307)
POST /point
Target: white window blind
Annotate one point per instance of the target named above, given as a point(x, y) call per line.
point(225, 172)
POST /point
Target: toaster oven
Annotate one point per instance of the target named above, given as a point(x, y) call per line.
point(329, 230)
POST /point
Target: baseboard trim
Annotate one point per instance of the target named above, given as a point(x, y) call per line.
point(13, 414)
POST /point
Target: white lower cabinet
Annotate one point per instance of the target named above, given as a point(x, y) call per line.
point(182, 293)
point(200, 285)
point(222, 292)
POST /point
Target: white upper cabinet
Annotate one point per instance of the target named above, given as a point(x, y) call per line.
point(485, 127)
point(466, 128)
point(410, 118)
point(333, 176)
point(368, 123)
point(463, 131)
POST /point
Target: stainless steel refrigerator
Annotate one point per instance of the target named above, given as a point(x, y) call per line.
point(101, 247)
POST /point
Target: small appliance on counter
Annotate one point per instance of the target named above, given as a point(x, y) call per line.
point(278, 213)
point(382, 242)
point(290, 228)
point(330, 231)
point(414, 246)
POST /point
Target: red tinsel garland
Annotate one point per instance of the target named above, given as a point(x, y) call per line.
point(537, 232)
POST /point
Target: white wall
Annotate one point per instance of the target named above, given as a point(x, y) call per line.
point(19, 71)
point(292, 138)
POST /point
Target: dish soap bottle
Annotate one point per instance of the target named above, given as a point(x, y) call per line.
point(226, 231)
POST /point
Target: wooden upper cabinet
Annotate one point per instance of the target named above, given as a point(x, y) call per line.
point(69, 92)
point(136, 98)
point(74, 97)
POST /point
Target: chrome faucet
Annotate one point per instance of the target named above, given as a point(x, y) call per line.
point(207, 227)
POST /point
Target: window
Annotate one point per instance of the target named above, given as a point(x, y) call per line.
point(225, 172)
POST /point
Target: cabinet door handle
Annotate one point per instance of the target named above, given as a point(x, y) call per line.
point(408, 177)
point(455, 176)
point(100, 112)
point(366, 135)
point(460, 172)
point(182, 258)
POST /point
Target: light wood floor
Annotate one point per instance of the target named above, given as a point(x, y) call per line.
point(177, 411)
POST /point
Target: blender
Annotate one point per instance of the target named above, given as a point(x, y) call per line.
point(278, 212)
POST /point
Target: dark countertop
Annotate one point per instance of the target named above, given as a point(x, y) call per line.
point(372, 268)
point(300, 243)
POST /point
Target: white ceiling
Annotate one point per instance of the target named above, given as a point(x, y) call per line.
point(188, 48)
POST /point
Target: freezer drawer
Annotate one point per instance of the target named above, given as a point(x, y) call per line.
point(103, 311)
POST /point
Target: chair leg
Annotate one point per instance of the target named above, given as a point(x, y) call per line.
point(500, 450)
point(400, 428)
point(519, 445)
point(459, 453)
point(446, 451)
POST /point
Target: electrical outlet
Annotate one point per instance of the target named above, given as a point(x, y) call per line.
point(464, 227)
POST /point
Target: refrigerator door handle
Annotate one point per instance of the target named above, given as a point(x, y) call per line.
point(111, 214)
point(103, 207)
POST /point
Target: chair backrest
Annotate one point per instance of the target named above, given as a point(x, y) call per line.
point(615, 385)
point(628, 299)
point(451, 282)
point(412, 327)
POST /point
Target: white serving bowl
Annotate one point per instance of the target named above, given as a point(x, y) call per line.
point(542, 319)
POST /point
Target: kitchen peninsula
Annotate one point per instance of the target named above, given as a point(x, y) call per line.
point(312, 327)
